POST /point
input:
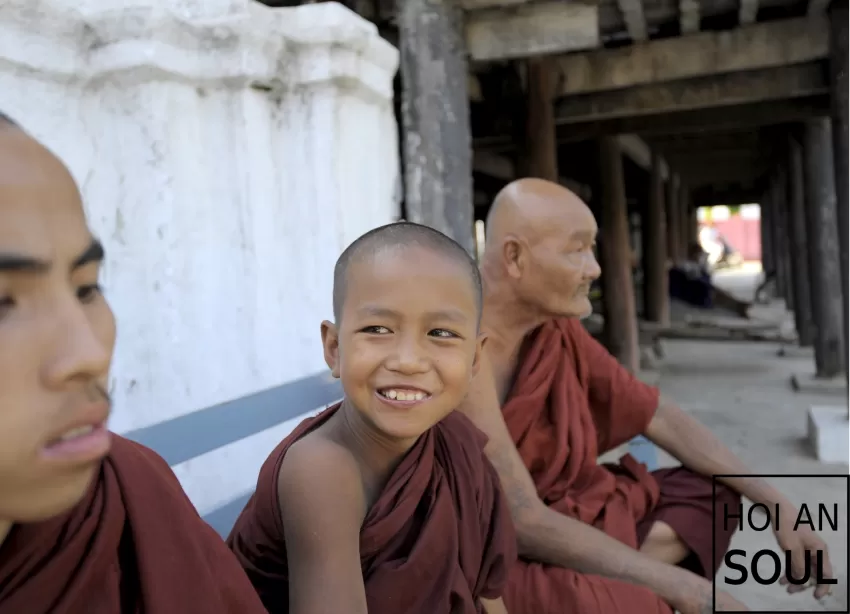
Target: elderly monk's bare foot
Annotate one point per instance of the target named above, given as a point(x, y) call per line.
point(663, 544)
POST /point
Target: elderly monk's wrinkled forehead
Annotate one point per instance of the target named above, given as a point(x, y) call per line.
point(539, 209)
point(39, 201)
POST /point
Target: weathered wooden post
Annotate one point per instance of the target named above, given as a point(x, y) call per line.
point(779, 196)
point(796, 216)
point(674, 216)
point(685, 234)
point(654, 238)
point(768, 257)
point(838, 15)
point(538, 156)
point(621, 327)
point(824, 252)
point(435, 117)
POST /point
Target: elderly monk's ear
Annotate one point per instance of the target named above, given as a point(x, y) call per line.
point(513, 253)
point(330, 343)
point(479, 350)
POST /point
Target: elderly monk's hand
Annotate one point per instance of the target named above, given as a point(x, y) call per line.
point(707, 601)
point(798, 541)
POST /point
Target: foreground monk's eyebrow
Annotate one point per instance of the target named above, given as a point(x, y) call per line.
point(18, 263)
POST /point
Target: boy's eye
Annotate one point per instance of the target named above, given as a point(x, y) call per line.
point(443, 333)
point(376, 330)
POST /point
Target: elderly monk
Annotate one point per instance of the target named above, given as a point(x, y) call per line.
point(90, 523)
point(592, 539)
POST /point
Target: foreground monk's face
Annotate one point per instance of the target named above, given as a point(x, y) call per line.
point(56, 337)
point(408, 344)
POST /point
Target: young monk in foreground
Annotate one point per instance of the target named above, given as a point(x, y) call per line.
point(90, 523)
point(385, 503)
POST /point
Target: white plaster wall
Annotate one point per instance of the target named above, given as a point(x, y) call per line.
point(227, 153)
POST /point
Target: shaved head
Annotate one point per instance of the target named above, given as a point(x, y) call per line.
point(532, 207)
point(540, 242)
point(399, 235)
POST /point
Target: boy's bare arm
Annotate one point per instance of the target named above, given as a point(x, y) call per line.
point(322, 508)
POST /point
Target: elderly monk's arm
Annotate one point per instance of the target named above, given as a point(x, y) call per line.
point(494, 606)
point(322, 507)
point(545, 535)
point(696, 447)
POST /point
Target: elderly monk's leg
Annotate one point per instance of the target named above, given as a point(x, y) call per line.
point(664, 544)
point(688, 508)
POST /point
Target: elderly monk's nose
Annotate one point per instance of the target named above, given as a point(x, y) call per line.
point(591, 270)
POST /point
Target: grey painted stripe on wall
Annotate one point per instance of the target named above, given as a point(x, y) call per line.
point(223, 518)
point(185, 437)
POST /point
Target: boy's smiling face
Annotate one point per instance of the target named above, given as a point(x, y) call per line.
point(408, 344)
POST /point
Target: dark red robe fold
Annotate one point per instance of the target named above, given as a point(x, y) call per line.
point(571, 401)
point(133, 545)
point(438, 539)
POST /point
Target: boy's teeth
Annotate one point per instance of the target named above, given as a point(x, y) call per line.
point(404, 395)
point(77, 432)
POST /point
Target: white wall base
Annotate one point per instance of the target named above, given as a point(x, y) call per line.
point(829, 433)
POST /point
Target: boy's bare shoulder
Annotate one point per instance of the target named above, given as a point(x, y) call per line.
point(318, 474)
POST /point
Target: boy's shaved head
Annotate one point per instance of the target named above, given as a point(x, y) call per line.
point(6, 120)
point(399, 235)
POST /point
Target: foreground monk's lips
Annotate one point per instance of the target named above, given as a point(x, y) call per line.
point(83, 445)
point(85, 439)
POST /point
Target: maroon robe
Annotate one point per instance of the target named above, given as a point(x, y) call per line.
point(133, 545)
point(572, 401)
point(438, 539)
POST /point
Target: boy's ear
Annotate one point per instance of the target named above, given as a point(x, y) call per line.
point(330, 343)
point(479, 349)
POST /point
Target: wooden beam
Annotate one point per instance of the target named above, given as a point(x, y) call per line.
point(747, 11)
point(689, 16)
point(476, 5)
point(767, 45)
point(640, 153)
point(752, 115)
point(531, 30)
point(632, 11)
point(817, 7)
point(701, 93)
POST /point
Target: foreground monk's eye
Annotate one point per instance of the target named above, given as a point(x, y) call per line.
point(6, 304)
point(376, 330)
point(87, 294)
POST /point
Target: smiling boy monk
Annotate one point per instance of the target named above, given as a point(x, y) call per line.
point(90, 523)
point(385, 503)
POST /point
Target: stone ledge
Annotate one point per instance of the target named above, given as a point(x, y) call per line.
point(244, 43)
point(828, 431)
point(809, 383)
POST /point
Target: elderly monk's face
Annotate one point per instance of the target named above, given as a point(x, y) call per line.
point(56, 337)
point(554, 270)
point(408, 344)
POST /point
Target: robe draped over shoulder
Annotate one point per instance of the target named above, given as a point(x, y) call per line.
point(570, 402)
point(133, 545)
point(438, 539)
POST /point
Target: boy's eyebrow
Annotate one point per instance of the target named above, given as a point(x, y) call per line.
point(453, 315)
point(19, 263)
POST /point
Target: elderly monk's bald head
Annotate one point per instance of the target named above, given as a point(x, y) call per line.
point(56, 336)
point(540, 244)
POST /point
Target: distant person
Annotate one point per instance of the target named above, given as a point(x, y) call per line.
point(90, 522)
point(385, 503)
